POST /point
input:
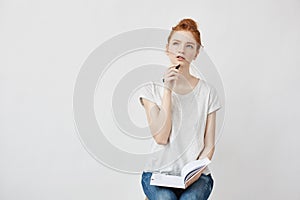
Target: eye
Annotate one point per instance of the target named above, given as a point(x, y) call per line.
point(190, 46)
point(175, 43)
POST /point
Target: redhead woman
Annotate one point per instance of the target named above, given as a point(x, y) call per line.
point(181, 113)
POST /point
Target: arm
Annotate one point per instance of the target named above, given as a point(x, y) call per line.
point(159, 120)
point(209, 137)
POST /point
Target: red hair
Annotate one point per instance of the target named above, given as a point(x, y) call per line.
point(187, 25)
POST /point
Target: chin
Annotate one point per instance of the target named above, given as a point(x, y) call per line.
point(182, 62)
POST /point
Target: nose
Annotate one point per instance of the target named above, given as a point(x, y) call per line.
point(180, 49)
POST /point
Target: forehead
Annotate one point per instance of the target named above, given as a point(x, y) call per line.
point(184, 36)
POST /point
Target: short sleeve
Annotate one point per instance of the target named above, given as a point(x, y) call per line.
point(146, 92)
point(214, 103)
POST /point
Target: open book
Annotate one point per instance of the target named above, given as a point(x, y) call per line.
point(189, 174)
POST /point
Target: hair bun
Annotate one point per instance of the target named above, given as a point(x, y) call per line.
point(188, 24)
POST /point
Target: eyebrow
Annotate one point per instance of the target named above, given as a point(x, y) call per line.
point(187, 42)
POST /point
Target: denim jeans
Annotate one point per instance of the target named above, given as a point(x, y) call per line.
point(199, 190)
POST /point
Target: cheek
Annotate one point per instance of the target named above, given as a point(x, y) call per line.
point(172, 50)
point(191, 55)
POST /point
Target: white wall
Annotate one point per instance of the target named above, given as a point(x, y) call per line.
point(44, 43)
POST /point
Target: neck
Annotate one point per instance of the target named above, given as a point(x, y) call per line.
point(185, 72)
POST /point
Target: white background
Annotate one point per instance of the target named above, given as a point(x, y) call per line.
point(254, 45)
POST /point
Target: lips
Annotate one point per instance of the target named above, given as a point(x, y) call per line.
point(180, 58)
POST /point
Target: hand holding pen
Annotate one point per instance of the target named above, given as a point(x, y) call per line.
point(171, 75)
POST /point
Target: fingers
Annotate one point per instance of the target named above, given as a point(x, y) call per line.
point(172, 70)
point(175, 66)
point(171, 76)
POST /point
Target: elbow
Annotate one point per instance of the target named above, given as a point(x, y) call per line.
point(161, 141)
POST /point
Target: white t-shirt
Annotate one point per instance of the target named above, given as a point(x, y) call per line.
point(189, 115)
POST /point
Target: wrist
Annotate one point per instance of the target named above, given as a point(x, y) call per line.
point(167, 91)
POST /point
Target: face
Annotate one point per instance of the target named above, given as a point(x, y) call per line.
point(182, 48)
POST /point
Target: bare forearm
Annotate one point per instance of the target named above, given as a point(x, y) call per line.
point(209, 137)
point(207, 152)
point(162, 119)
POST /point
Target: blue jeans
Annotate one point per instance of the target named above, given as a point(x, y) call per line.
point(199, 190)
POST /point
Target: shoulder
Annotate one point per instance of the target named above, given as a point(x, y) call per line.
point(204, 88)
point(208, 86)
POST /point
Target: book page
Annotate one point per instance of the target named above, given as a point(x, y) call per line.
point(193, 167)
point(193, 178)
point(167, 180)
point(189, 174)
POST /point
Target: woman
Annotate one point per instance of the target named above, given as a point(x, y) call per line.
point(181, 117)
